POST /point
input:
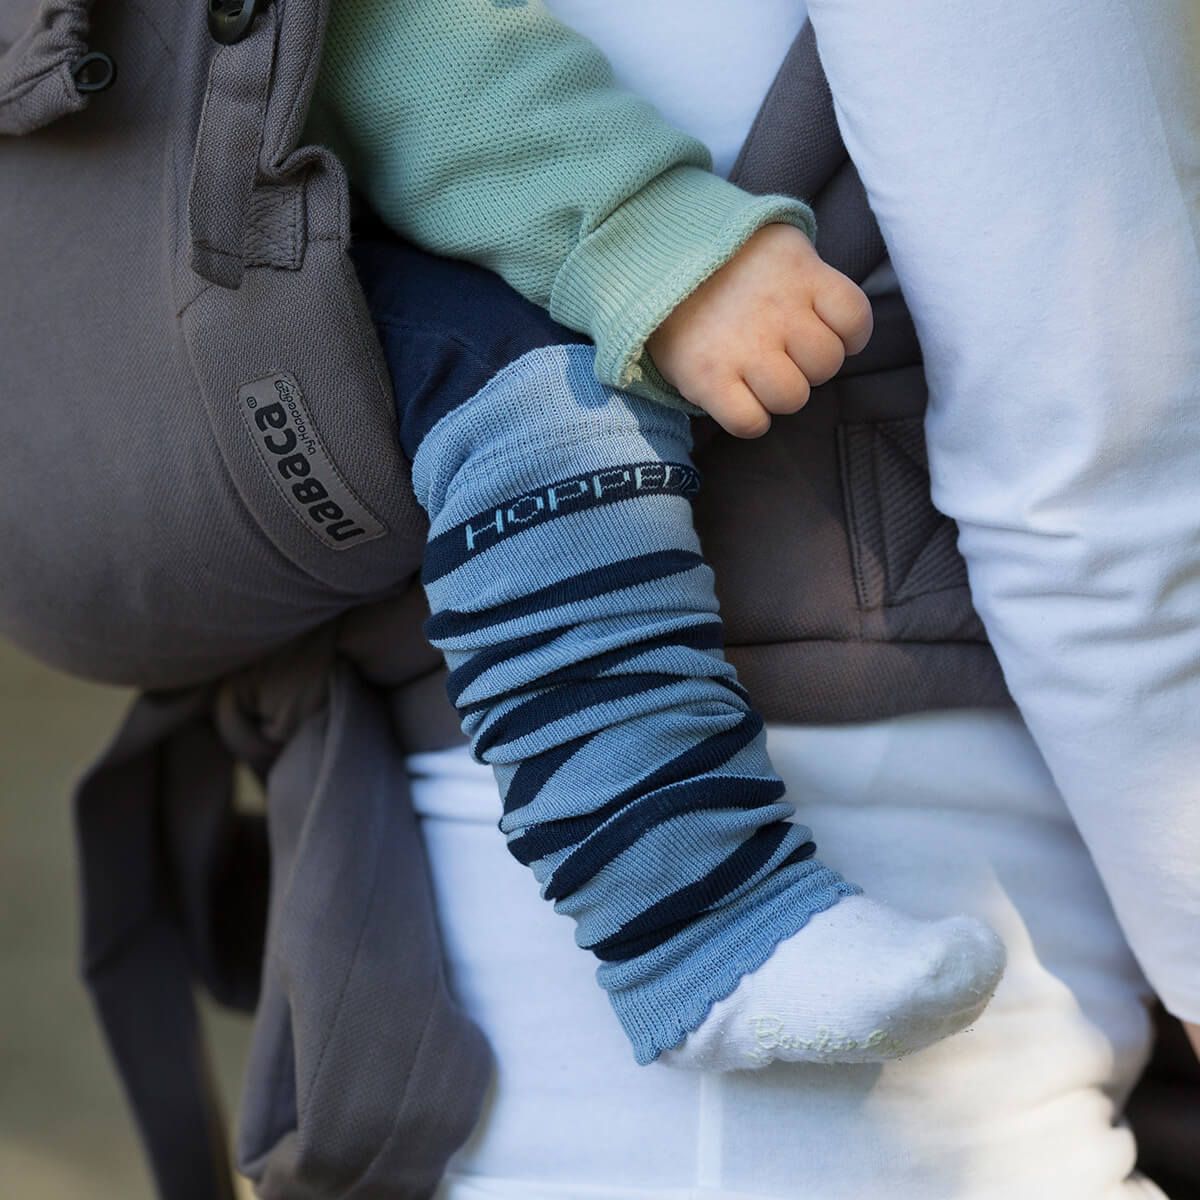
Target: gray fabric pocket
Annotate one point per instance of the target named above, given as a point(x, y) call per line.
point(901, 546)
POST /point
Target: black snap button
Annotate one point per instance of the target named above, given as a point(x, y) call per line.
point(229, 20)
point(94, 72)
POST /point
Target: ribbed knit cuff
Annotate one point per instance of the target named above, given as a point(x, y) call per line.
point(660, 998)
point(623, 280)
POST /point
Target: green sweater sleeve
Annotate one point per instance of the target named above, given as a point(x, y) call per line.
point(486, 130)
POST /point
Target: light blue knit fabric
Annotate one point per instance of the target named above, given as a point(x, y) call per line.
point(582, 631)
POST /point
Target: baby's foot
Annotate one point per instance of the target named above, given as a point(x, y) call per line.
point(858, 983)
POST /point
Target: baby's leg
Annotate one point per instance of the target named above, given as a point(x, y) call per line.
point(571, 602)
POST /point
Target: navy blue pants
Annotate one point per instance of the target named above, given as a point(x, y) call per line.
point(446, 327)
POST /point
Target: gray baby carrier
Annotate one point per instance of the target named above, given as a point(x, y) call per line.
point(171, 255)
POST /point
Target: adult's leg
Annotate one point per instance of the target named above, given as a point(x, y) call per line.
point(1035, 169)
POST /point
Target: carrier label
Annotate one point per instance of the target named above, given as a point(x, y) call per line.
point(299, 465)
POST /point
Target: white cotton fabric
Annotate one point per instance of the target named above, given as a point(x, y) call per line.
point(705, 64)
point(1035, 169)
point(938, 814)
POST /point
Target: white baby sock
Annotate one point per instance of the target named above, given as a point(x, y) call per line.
point(858, 983)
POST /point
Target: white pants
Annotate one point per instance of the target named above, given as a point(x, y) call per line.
point(1035, 168)
point(937, 814)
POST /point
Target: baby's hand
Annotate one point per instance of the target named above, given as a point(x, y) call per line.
point(754, 337)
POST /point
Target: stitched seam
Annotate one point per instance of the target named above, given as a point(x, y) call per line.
point(214, 249)
point(885, 542)
point(149, 20)
point(852, 520)
point(936, 591)
point(199, 295)
point(925, 591)
point(884, 432)
point(19, 91)
point(295, 227)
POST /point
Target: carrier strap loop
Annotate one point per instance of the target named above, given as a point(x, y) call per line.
point(36, 84)
point(225, 167)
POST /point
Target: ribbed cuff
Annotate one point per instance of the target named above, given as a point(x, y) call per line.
point(622, 281)
point(660, 998)
point(548, 397)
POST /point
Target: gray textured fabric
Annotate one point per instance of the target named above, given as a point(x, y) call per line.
point(353, 1090)
point(364, 1074)
point(38, 47)
point(156, 549)
point(878, 620)
point(274, 230)
point(165, 555)
point(225, 167)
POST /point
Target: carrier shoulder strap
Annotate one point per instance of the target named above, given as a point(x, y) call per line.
point(891, 603)
point(794, 147)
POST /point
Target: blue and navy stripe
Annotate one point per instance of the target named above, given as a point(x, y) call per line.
point(578, 618)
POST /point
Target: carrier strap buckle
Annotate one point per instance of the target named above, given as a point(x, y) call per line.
point(229, 20)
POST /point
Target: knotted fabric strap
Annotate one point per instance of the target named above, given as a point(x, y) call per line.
point(365, 1075)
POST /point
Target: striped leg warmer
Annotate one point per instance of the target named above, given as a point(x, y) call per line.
point(571, 602)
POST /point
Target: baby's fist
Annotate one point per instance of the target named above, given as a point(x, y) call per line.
point(753, 338)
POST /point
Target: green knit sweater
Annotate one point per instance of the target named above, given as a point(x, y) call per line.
point(486, 130)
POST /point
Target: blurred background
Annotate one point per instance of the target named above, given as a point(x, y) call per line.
point(64, 1132)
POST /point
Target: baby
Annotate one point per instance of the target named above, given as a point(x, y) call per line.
point(567, 589)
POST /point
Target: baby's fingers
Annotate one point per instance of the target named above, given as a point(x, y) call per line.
point(734, 407)
point(844, 307)
point(779, 383)
point(816, 350)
